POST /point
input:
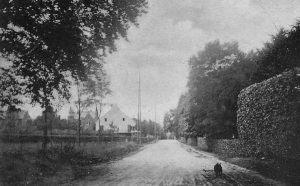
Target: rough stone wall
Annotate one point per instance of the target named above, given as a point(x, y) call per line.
point(268, 118)
point(268, 121)
point(228, 147)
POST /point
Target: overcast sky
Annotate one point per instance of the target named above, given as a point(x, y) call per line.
point(174, 30)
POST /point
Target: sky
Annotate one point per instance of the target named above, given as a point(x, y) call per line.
point(170, 33)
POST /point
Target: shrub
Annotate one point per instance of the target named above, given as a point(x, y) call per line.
point(268, 116)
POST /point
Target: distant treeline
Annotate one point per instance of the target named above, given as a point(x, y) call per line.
point(218, 73)
point(151, 128)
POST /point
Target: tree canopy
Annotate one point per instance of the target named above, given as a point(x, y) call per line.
point(280, 54)
point(47, 43)
point(217, 75)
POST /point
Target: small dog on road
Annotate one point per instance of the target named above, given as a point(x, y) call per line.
point(218, 169)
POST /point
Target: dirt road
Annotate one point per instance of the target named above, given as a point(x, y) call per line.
point(171, 163)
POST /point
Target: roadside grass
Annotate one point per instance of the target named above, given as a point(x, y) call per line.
point(26, 164)
point(278, 169)
point(284, 170)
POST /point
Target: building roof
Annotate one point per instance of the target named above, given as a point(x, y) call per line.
point(115, 112)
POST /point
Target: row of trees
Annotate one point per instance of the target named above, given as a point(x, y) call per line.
point(150, 128)
point(14, 124)
point(48, 46)
point(218, 73)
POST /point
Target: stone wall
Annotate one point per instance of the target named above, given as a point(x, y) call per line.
point(268, 120)
point(228, 147)
point(268, 116)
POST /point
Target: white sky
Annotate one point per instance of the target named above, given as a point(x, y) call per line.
point(173, 31)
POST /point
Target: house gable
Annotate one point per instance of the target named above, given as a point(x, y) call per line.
point(117, 120)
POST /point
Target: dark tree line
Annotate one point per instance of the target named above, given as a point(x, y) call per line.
point(218, 73)
point(150, 128)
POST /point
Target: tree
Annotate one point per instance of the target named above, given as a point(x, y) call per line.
point(9, 90)
point(96, 89)
point(181, 111)
point(280, 54)
point(48, 43)
point(168, 121)
point(91, 93)
point(217, 75)
point(148, 128)
point(80, 108)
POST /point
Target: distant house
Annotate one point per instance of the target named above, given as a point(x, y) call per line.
point(116, 121)
point(15, 118)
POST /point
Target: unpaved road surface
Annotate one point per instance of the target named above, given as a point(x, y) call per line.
point(169, 162)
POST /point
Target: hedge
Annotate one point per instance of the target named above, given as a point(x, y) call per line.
point(268, 116)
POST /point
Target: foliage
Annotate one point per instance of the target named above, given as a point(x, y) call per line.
point(148, 128)
point(27, 166)
point(96, 88)
point(279, 54)
point(9, 94)
point(268, 116)
point(169, 121)
point(180, 117)
point(54, 122)
point(63, 35)
point(175, 119)
point(217, 74)
point(47, 43)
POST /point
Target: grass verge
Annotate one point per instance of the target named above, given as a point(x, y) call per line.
point(60, 164)
point(284, 170)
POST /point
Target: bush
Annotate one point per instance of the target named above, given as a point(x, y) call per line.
point(268, 116)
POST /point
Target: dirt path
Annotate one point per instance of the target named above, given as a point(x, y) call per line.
point(171, 163)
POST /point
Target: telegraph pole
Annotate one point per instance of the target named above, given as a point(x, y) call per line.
point(139, 111)
point(155, 134)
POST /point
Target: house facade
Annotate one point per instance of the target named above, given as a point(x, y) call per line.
point(116, 121)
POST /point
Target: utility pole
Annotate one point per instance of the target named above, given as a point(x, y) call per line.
point(139, 111)
point(155, 133)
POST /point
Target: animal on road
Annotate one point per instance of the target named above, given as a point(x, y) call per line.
point(218, 169)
